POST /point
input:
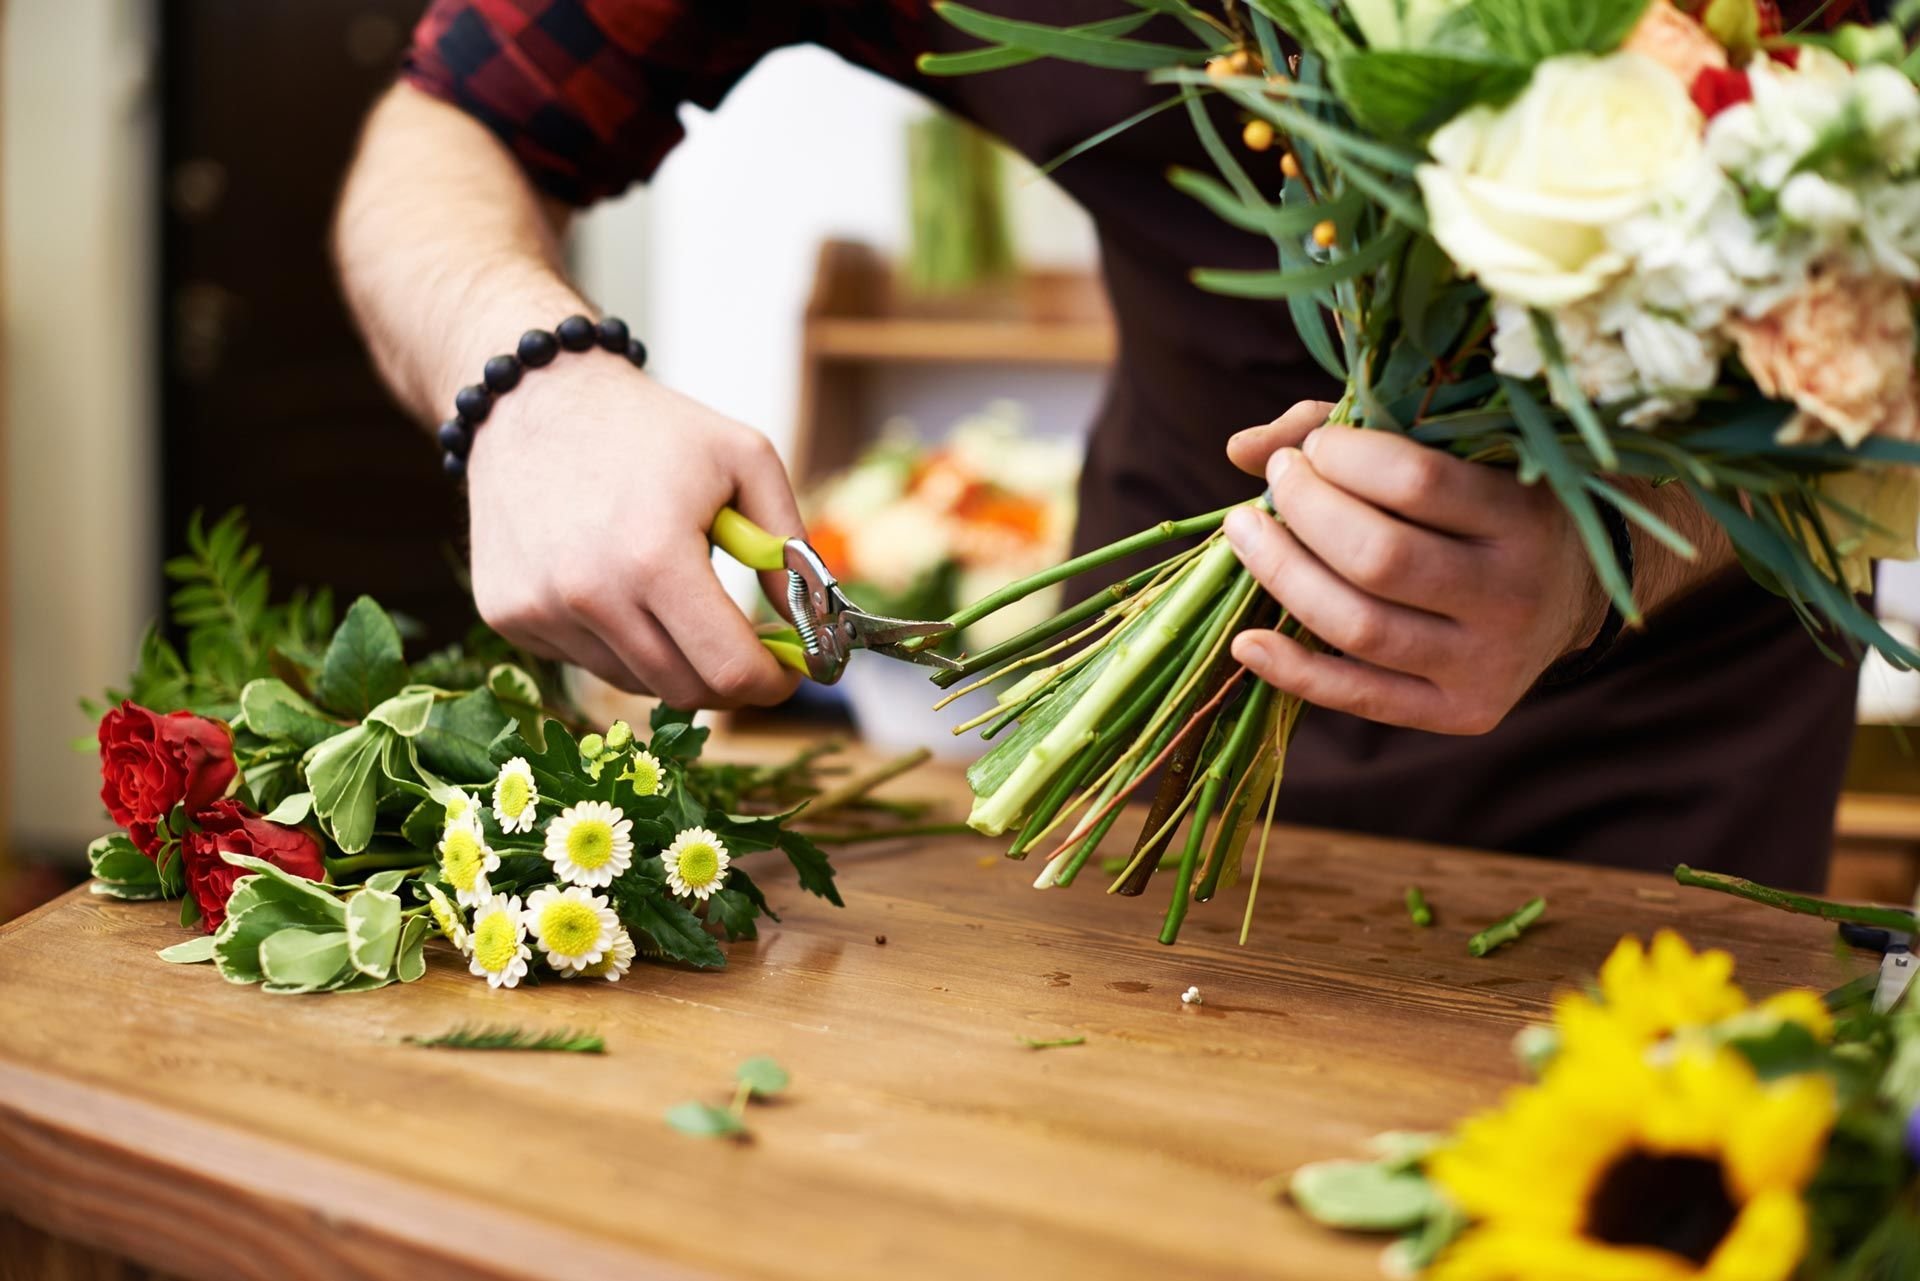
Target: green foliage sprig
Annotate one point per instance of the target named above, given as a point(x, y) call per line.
point(564, 1041)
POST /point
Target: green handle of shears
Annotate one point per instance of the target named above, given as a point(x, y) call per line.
point(755, 548)
point(747, 543)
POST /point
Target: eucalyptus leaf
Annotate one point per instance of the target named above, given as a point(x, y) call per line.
point(373, 931)
point(300, 959)
point(1368, 1196)
point(191, 952)
point(703, 1120)
point(364, 665)
point(273, 710)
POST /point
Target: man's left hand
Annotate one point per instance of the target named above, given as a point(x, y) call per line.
point(1447, 587)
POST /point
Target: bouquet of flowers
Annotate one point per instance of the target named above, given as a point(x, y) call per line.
point(1609, 244)
point(1674, 1129)
point(320, 806)
point(913, 531)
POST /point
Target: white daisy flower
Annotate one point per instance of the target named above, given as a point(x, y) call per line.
point(461, 812)
point(445, 915)
point(499, 944)
point(613, 965)
point(465, 861)
point(590, 843)
point(573, 926)
point(515, 797)
point(648, 775)
point(696, 863)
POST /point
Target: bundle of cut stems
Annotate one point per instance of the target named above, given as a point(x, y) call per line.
point(1134, 681)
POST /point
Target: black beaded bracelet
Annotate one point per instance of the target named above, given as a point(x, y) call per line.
point(537, 348)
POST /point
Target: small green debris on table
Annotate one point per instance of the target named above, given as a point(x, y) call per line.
point(1417, 907)
point(1057, 1043)
point(564, 1041)
point(1507, 929)
point(758, 1077)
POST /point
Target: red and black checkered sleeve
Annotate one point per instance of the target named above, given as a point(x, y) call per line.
point(587, 93)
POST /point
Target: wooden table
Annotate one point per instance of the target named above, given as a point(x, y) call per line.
point(206, 1130)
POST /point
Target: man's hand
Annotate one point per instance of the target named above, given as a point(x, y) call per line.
point(592, 488)
point(1448, 587)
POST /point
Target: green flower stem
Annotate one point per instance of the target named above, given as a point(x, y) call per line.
point(1041, 819)
point(1075, 856)
point(353, 864)
point(1891, 918)
point(1507, 929)
point(1126, 882)
point(1017, 647)
point(1134, 652)
point(1417, 908)
point(1232, 833)
point(1166, 531)
point(747, 543)
point(1252, 716)
point(853, 789)
point(1289, 718)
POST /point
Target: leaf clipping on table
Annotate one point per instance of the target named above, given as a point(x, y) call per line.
point(560, 1041)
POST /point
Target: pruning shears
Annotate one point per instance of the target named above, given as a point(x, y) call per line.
point(828, 624)
point(1897, 962)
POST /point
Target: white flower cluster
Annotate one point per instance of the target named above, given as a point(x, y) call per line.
point(1647, 267)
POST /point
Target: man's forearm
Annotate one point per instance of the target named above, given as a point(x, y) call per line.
point(1661, 575)
point(445, 251)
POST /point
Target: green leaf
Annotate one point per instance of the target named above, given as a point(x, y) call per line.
point(1408, 93)
point(1367, 1196)
point(974, 61)
point(191, 952)
point(388, 881)
point(811, 862)
point(519, 697)
point(565, 1041)
point(1068, 44)
point(1567, 482)
point(251, 920)
point(373, 931)
point(275, 884)
point(410, 963)
point(363, 665)
point(344, 775)
point(1310, 24)
point(121, 871)
point(762, 1076)
point(677, 932)
point(292, 811)
point(703, 1120)
point(424, 825)
point(407, 712)
point(302, 959)
point(1285, 284)
point(1529, 31)
point(733, 911)
point(273, 710)
point(458, 735)
point(675, 736)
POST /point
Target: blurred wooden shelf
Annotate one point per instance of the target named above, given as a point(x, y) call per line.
point(863, 327)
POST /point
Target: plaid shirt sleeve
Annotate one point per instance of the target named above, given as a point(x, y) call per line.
point(587, 93)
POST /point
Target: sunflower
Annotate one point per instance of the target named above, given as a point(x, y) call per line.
point(1618, 1168)
point(1649, 994)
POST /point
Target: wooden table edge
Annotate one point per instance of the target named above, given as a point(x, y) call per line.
point(114, 1198)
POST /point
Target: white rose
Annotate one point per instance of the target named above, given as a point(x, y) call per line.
point(1522, 196)
point(1823, 207)
point(1890, 107)
point(1669, 357)
point(1401, 24)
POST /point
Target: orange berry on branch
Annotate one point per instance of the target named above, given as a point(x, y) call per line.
point(1325, 233)
point(1258, 135)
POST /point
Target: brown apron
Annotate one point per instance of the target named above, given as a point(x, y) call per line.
point(1717, 737)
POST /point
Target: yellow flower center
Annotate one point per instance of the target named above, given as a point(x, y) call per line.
point(457, 807)
point(569, 928)
point(495, 942)
point(590, 843)
point(514, 794)
point(699, 865)
point(444, 917)
point(646, 776)
point(461, 859)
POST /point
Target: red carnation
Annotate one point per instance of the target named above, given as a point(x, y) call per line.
point(151, 763)
point(1717, 88)
point(231, 827)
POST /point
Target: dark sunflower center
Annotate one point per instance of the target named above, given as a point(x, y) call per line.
point(1673, 1203)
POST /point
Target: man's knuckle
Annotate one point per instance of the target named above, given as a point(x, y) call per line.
point(1383, 561)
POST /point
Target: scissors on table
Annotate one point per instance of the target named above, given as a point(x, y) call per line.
point(829, 624)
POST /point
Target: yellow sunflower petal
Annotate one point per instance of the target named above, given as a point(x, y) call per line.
point(1507, 1254)
point(1778, 1143)
point(1765, 1243)
point(1803, 1007)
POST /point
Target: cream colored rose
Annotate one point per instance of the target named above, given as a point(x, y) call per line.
point(1880, 520)
point(1842, 350)
point(1521, 196)
point(1401, 24)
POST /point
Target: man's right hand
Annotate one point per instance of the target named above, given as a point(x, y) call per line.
point(591, 489)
